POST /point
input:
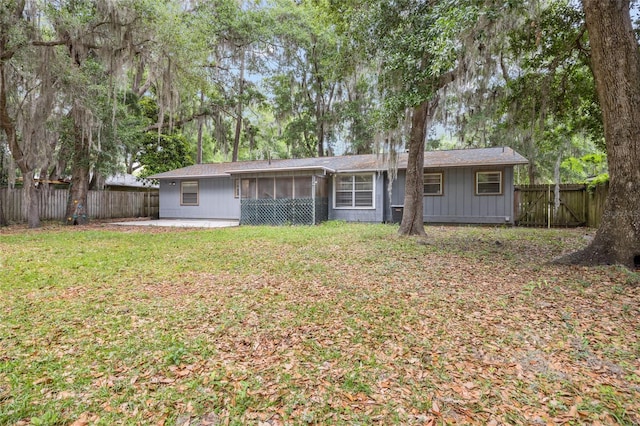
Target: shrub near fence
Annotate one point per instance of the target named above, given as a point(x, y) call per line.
point(100, 204)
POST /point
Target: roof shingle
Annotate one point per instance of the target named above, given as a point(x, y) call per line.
point(500, 156)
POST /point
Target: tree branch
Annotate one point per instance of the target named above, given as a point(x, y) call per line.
point(61, 42)
point(158, 126)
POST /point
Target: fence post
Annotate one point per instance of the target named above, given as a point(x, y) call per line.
point(3, 219)
point(549, 206)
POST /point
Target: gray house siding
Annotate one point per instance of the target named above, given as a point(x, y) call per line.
point(454, 200)
point(459, 203)
point(216, 200)
point(372, 215)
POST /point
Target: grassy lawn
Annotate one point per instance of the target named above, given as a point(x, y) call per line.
point(334, 324)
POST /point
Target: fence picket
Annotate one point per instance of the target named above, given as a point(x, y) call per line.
point(100, 204)
point(533, 205)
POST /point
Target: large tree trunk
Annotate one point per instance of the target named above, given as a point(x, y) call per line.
point(531, 172)
point(413, 215)
point(616, 68)
point(200, 126)
point(77, 213)
point(236, 139)
point(3, 219)
point(97, 181)
point(30, 194)
point(199, 147)
point(30, 200)
point(319, 129)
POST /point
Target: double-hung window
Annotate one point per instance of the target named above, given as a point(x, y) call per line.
point(489, 183)
point(354, 191)
point(189, 193)
point(432, 184)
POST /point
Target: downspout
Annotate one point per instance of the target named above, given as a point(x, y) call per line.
point(239, 198)
point(313, 200)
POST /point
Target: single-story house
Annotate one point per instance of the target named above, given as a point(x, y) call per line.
point(460, 186)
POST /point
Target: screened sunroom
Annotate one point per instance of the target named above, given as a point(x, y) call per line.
point(295, 199)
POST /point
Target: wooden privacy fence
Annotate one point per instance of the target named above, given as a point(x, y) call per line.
point(535, 205)
point(100, 204)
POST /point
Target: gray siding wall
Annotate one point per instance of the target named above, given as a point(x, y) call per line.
point(376, 215)
point(216, 200)
point(459, 204)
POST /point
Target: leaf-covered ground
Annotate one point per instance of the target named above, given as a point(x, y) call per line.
point(334, 324)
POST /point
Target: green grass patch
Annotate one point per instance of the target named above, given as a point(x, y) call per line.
point(332, 324)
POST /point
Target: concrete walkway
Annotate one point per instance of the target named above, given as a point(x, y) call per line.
point(182, 223)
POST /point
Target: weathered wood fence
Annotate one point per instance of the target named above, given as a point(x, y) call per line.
point(535, 205)
point(100, 204)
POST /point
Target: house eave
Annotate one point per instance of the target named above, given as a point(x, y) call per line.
point(198, 176)
point(472, 164)
point(352, 171)
point(281, 169)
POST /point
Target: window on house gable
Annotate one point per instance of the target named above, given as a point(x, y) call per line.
point(189, 193)
point(432, 184)
point(354, 191)
point(488, 183)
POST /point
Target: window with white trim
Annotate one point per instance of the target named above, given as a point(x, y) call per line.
point(189, 193)
point(354, 191)
point(432, 183)
point(489, 183)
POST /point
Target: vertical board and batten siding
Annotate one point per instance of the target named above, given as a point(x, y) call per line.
point(216, 200)
point(100, 204)
point(459, 203)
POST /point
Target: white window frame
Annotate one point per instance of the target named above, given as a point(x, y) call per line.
point(236, 188)
point(489, 172)
point(354, 191)
point(441, 183)
point(189, 182)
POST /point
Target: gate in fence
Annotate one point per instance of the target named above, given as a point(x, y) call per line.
point(535, 205)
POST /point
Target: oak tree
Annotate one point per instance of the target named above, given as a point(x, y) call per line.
point(615, 61)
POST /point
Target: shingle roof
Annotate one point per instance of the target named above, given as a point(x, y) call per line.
point(126, 179)
point(500, 156)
